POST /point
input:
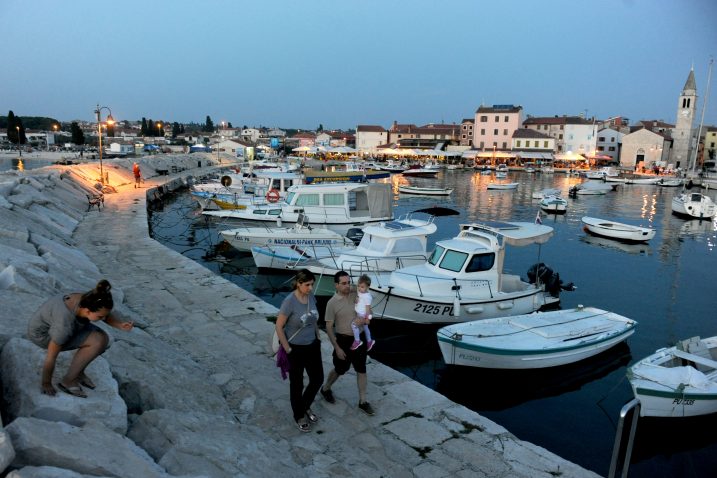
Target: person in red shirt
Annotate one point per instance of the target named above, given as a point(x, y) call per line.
point(137, 175)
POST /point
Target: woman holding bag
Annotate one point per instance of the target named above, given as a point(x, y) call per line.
point(298, 319)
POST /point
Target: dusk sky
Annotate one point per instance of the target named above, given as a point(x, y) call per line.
point(340, 63)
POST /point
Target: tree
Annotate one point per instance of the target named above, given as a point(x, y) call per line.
point(230, 125)
point(143, 129)
point(175, 130)
point(208, 126)
point(320, 128)
point(15, 129)
point(151, 129)
point(78, 137)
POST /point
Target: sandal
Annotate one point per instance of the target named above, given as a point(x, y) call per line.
point(74, 390)
point(303, 425)
point(85, 381)
point(311, 416)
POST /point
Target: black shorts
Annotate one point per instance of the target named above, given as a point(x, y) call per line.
point(355, 358)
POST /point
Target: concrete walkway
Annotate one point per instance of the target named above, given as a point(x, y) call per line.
point(415, 432)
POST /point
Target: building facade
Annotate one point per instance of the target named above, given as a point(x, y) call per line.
point(643, 149)
point(609, 142)
point(369, 137)
point(494, 126)
point(467, 132)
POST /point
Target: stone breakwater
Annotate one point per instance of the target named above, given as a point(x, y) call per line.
point(191, 391)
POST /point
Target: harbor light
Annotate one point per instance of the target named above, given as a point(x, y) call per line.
point(110, 122)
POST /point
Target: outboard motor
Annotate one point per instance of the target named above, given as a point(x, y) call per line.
point(573, 191)
point(355, 234)
point(545, 275)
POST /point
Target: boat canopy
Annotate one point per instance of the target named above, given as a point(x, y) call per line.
point(379, 198)
point(514, 233)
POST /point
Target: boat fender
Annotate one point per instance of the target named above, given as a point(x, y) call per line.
point(474, 309)
point(278, 221)
point(456, 307)
point(505, 306)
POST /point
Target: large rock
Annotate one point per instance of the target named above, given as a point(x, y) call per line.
point(92, 450)
point(153, 375)
point(7, 452)
point(20, 367)
point(47, 472)
point(196, 442)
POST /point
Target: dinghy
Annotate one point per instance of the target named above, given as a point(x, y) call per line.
point(500, 186)
point(425, 191)
point(541, 340)
point(679, 381)
point(617, 230)
point(554, 204)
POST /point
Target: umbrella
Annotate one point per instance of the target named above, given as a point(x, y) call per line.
point(569, 156)
point(342, 150)
point(302, 149)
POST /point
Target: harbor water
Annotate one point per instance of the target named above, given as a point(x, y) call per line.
point(667, 285)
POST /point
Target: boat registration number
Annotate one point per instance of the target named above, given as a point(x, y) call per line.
point(433, 309)
point(683, 401)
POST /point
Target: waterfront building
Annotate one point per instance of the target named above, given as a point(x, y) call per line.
point(467, 132)
point(709, 156)
point(609, 142)
point(532, 146)
point(369, 137)
point(683, 134)
point(644, 149)
point(572, 133)
point(495, 125)
point(250, 135)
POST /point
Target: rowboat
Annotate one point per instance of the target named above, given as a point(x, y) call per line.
point(617, 230)
point(546, 192)
point(530, 341)
point(425, 191)
point(502, 185)
point(554, 204)
point(679, 381)
point(669, 183)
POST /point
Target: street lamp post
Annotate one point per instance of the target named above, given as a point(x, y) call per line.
point(18, 140)
point(110, 121)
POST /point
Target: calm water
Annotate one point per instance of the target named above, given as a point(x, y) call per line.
point(14, 163)
point(668, 286)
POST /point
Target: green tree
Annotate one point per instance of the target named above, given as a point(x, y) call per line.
point(229, 125)
point(208, 126)
point(143, 129)
point(15, 129)
point(175, 130)
point(151, 130)
point(320, 128)
point(78, 137)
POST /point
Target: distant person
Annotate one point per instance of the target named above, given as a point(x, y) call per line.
point(137, 175)
point(363, 314)
point(297, 320)
point(65, 322)
point(340, 314)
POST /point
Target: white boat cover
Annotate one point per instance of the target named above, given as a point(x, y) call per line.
point(515, 233)
point(673, 377)
point(379, 200)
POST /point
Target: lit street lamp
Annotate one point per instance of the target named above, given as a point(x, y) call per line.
point(18, 140)
point(110, 122)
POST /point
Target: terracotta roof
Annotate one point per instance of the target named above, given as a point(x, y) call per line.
point(305, 134)
point(468, 120)
point(370, 128)
point(402, 128)
point(530, 133)
point(652, 124)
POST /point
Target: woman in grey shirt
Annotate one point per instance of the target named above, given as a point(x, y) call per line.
point(65, 323)
point(299, 336)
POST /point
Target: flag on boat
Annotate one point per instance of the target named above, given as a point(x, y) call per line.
point(538, 219)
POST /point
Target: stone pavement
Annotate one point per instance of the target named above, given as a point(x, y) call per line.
point(224, 329)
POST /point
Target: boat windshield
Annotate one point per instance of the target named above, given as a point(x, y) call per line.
point(453, 261)
point(289, 197)
point(437, 253)
point(481, 262)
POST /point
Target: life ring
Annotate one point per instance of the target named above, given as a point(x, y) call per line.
point(272, 195)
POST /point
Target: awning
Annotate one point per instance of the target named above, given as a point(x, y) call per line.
point(533, 155)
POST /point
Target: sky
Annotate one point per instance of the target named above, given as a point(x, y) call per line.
point(342, 63)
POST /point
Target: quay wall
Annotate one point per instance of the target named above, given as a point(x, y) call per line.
point(191, 390)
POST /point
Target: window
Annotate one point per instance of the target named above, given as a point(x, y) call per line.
point(307, 200)
point(463, 136)
point(497, 118)
point(453, 261)
point(536, 144)
point(482, 131)
point(560, 136)
point(334, 199)
point(482, 145)
point(483, 119)
point(600, 148)
point(505, 145)
point(562, 127)
point(505, 132)
point(612, 140)
point(611, 148)
point(507, 118)
point(437, 252)
point(601, 139)
point(517, 144)
point(545, 144)
point(481, 262)
point(495, 132)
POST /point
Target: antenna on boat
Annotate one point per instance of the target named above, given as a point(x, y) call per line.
point(702, 118)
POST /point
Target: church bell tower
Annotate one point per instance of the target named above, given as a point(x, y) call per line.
point(683, 132)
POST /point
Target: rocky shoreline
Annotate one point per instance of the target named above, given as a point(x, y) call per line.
point(191, 391)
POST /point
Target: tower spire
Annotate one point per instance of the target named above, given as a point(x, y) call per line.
point(690, 85)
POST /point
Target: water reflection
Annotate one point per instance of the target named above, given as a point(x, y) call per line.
point(630, 248)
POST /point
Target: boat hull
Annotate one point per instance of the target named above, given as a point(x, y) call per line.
point(617, 230)
point(244, 239)
point(534, 341)
point(694, 205)
point(425, 191)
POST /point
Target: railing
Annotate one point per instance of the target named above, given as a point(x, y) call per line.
point(458, 284)
point(634, 406)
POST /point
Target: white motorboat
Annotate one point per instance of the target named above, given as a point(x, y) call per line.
point(694, 205)
point(427, 171)
point(384, 247)
point(530, 341)
point(679, 381)
point(617, 230)
point(243, 238)
point(502, 185)
point(235, 192)
point(642, 180)
point(425, 191)
point(284, 257)
point(463, 279)
point(554, 204)
point(670, 182)
point(501, 174)
point(336, 206)
point(602, 173)
point(590, 188)
point(546, 192)
point(393, 167)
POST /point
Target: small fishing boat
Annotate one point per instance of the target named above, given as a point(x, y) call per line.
point(590, 188)
point(502, 185)
point(427, 171)
point(679, 381)
point(554, 204)
point(546, 192)
point(694, 205)
point(617, 230)
point(642, 180)
point(530, 341)
point(669, 182)
point(243, 238)
point(425, 191)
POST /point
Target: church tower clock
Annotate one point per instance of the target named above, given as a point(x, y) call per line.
point(682, 133)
